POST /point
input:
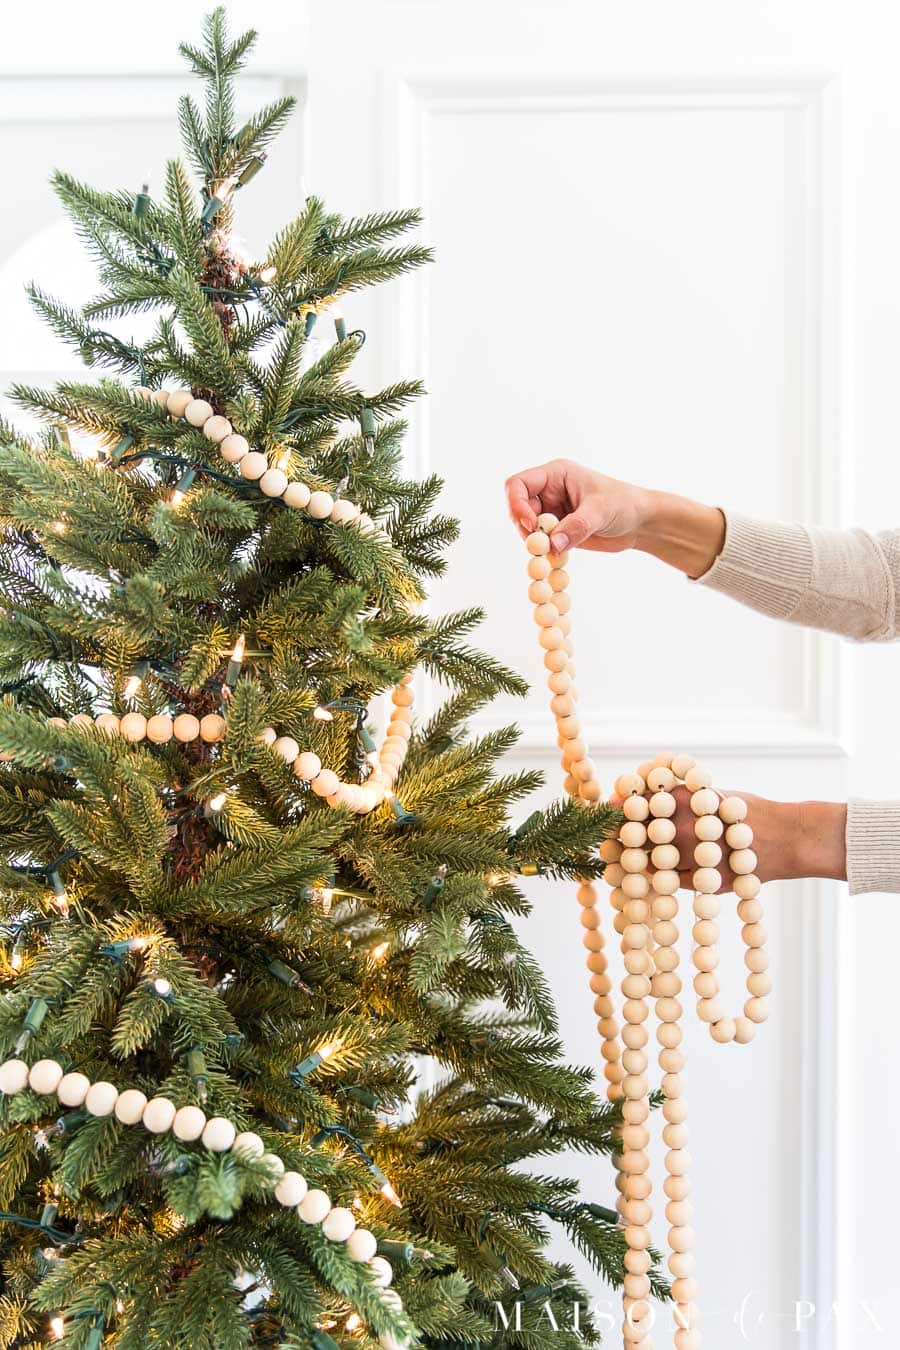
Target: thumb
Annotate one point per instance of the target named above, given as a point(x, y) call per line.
point(572, 530)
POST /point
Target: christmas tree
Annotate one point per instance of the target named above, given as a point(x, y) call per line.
point(233, 923)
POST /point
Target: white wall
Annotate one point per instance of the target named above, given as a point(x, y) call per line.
point(666, 245)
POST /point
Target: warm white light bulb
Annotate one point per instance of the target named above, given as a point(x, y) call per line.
point(216, 803)
point(323, 714)
point(58, 1327)
point(352, 1322)
point(390, 1194)
point(162, 987)
point(268, 274)
point(176, 498)
point(380, 952)
point(132, 685)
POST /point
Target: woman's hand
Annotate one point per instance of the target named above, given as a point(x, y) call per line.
point(790, 839)
point(594, 511)
point(608, 515)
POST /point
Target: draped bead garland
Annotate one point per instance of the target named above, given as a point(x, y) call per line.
point(643, 870)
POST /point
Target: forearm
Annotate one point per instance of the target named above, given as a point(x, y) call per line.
point(683, 533)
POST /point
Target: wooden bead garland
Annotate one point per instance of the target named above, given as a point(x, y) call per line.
point(253, 464)
point(643, 870)
point(360, 798)
point(218, 1135)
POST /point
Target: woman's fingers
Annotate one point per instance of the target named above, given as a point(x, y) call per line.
point(523, 496)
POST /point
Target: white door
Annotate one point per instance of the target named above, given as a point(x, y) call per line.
point(665, 242)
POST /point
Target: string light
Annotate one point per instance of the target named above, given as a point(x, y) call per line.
point(325, 896)
point(267, 274)
point(377, 954)
point(134, 681)
point(59, 899)
point(340, 323)
point(306, 1066)
point(217, 803)
point(235, 662)
point(390, 1194)
point(32, 1022)
point(367, 429)
point(116, 950)
point(323, 714)
point(221, 193)
point(163, 989)
point(58, 1327)
point(142, 200)
point(59, 527)
point(180, 490)
point(352, 1322)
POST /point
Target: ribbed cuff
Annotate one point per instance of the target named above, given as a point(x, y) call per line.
point(873, 846)
point(764, 564)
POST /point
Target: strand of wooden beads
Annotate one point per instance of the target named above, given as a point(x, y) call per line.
point(643, 870)
point(386, 761)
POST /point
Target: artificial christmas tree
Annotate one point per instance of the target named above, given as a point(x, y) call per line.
point(228, 936)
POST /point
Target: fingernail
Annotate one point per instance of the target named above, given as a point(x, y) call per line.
point(560, 542)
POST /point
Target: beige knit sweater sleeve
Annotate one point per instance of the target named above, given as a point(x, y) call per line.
point(845, 581)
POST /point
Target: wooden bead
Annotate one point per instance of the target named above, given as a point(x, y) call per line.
point(556, 660)
point(696, 778)
point(198, 411)
point(108, 722)
point(539, 592)
point(743, 861)
point(744, 1030)
point(634, 884)
point(747, 886)
point(732, 810)
point(754, 935)
point(159, 1113)
point(133, 726)
point(759, 985)
point(706, 933)
point(177, 401)
point(253, 465)
point(708, 828)
point(635, 808)
point(43, 1077)
point(325, 783)
point(666, 883)
point(682, 765)
point(320, 505)
point(739, 835)
point(704, 802)
point(160, 728)
point(216, 429)
point(212, 728)
point(665, 856)
point(307, 765)
point(538, 568)
point(750, 911)
point(707, 854)
point(537, 544)
point(724, 1031)
point(551, 639)
point(706, 905)
point(662, 804)
point(287, 748)
point(189, 1123)
point(233, 448)
point(186, 727)
point(660, 779)
point(218, 1134)
point(129, 1108)
point(756, 1009)
point(661, 830)
point(627, 783)
point(756, 960)
point(634, 860)
point(707, 879)
point(633, 834)
point(273, 483)
point(14, 1078)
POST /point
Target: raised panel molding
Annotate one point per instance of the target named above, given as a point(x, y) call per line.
point(817, 724)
